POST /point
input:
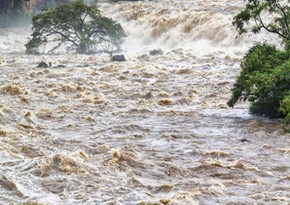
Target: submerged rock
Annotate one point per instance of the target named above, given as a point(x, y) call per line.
point(43, 64)
point(118, 58)
point(155, 52)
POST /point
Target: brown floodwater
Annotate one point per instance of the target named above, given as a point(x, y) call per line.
point(151, 130)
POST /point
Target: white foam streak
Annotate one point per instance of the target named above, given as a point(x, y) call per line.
point(167, 25)
point(12, 40)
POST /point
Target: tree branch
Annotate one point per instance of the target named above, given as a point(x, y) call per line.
point(64, 36)
point(258, 18)
point(285, 16)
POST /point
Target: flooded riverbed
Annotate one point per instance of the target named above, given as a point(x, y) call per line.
point(151, 130)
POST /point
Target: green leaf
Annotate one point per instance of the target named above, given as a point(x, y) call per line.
point(76, 26)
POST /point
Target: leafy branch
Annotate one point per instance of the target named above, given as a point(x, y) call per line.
point(271, 15)
point(75, 25)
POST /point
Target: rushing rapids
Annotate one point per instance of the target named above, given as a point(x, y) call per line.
point(151, 130)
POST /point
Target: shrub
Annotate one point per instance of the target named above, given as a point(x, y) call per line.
point(285, 109)
point(76, 26)
point(265, 77)
point(264, 81)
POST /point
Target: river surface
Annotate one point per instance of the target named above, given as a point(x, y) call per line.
point(151, 130)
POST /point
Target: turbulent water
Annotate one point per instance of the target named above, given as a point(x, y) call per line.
point(151, 130)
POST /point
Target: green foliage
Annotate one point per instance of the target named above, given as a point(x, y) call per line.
point(76, 26)
point(271, 15)
point(265, 77)
point(264, 81)
point(285, 109)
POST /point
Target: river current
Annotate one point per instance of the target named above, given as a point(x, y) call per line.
point(152, 130)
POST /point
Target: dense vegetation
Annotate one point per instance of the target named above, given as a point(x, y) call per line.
point(264, 80)
point(76, 26)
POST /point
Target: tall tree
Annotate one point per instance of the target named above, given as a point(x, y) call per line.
point(271, 15)
point(264, 80)
point(76, 26)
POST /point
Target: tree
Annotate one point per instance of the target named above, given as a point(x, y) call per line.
point(76, 26)
point(285, 109)
point(271, 15)
point(264, 80)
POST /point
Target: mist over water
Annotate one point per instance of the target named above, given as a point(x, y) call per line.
point(200, 26)
point(153, 129)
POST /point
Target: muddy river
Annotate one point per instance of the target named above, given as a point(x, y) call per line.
point(151, 130)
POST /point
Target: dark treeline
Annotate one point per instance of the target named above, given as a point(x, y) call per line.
point(11, 6)
point(12, 12)
point(19, 12)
